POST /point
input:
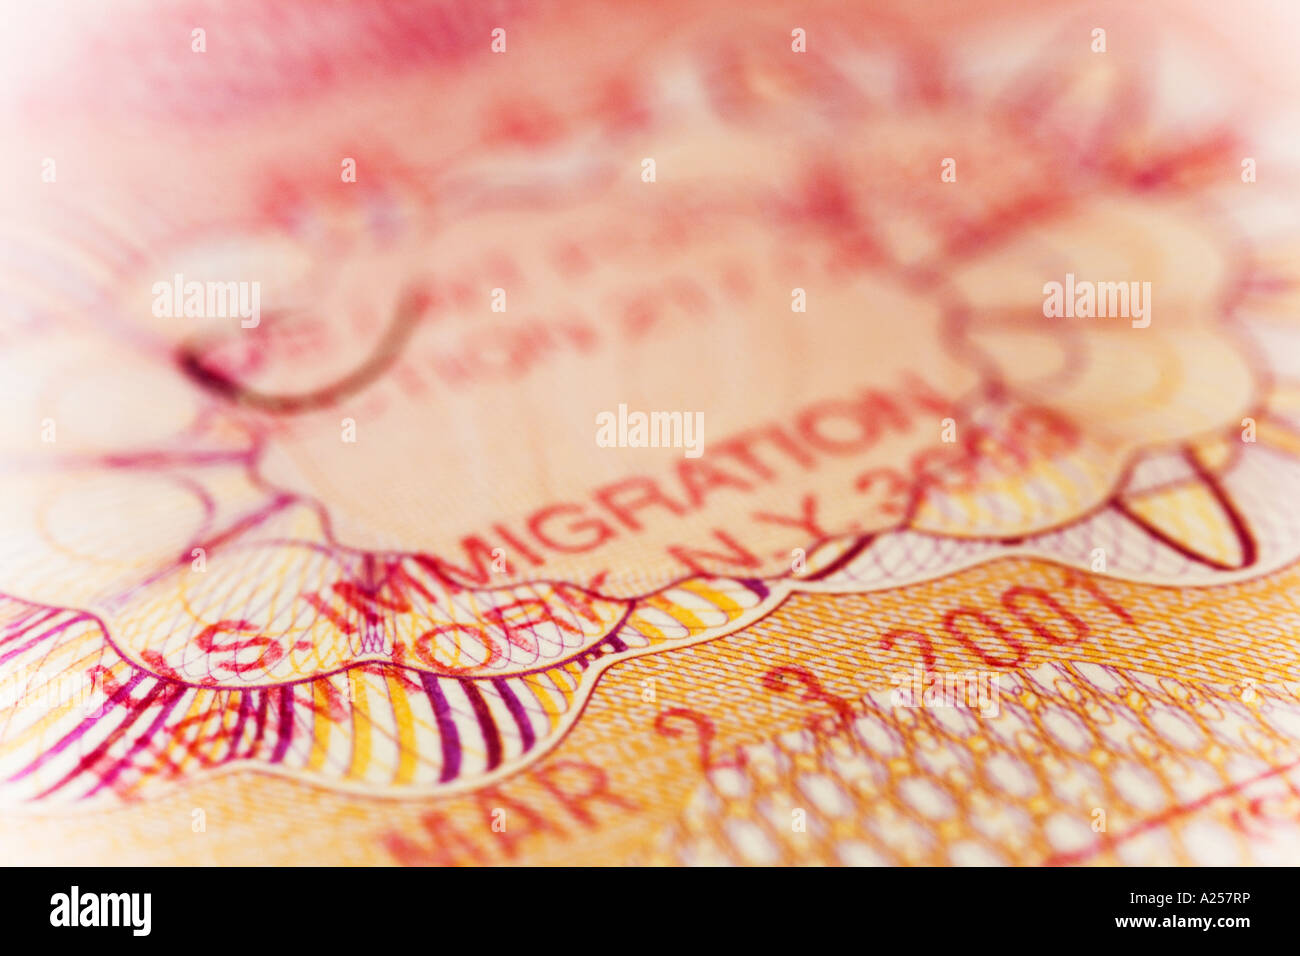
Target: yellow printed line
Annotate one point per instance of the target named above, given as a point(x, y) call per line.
point(226, 717)
point(638, 622)
point(58, 713)
point(715, 597)
point(220, 709)
point(574, 672)
point(361, 726)
point(83, 663)
point(405, 730)
point(544, 697)
point(320, 723)
point(1269, 433)
point(234, 702)
point(201, 696)
point(680, 614)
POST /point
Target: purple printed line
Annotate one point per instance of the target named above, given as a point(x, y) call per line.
point(517, 712)
point(89, 761)
point(261, 722)
point(488, 727)
point(81, 728)
point(286, 724)
point(239, 725)
point(140, 742)
point(40, 637)
point(446, 727)
point(50, 613)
